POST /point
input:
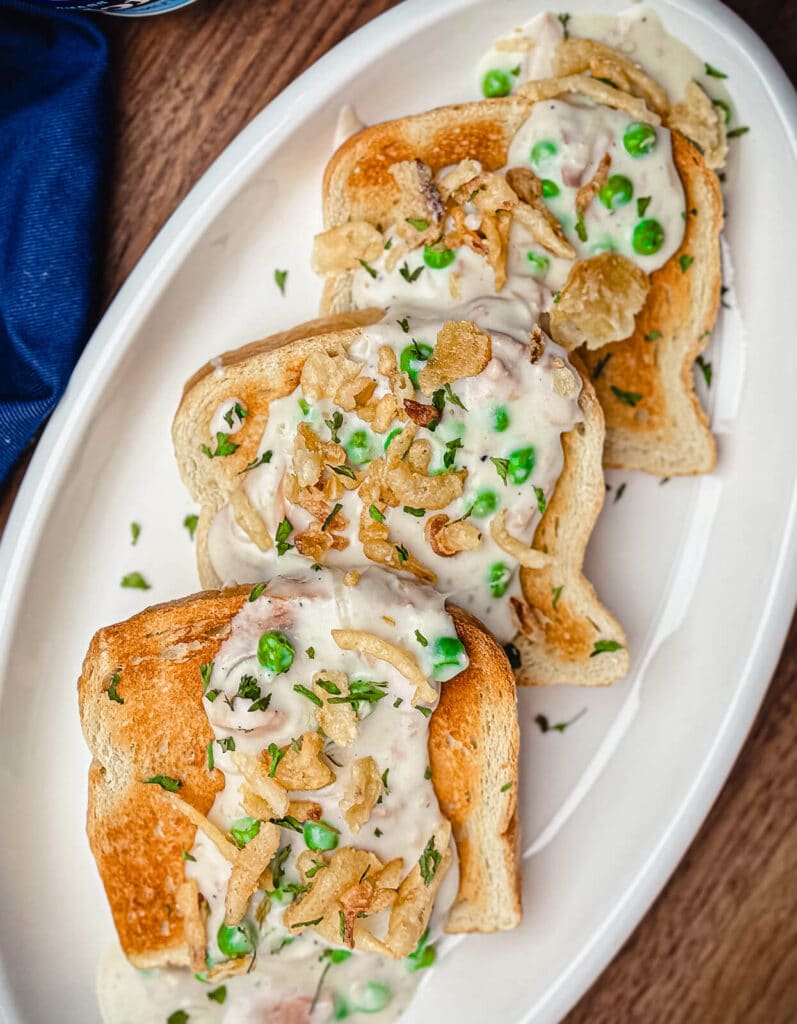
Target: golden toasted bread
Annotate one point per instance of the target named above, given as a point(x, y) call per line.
point(151, 722)
point(563, 620)
point(661, 429)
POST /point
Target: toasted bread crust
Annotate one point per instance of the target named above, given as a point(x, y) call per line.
point(162, 729)
point(562, 643)
point(667, 433)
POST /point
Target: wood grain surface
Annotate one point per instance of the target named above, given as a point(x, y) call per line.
point(719, 945)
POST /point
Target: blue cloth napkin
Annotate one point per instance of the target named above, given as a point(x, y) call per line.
point(54, 141)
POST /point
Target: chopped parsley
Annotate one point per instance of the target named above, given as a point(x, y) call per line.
point(334, 426)
point(375, 514)
point(604, 646)
point(542, 504)
point(335, 509)
point(165, 782)
point(705, 369)
point(421, 638)
point(429, 862)
point(284, 530)
point(227, 744)
point(642, 204)
point(450, 454)
point(417, 512)
point(135, 532)
point(422, 956)
point(276, 756)
point(626, 397)
point(344, 471)
point(557, 593)
point(424, 711)
point(224, 446)
point(312, 697)
point(190, 523)
point(261, 461)
point(367, 267)
point(404, 325)
point(296, 826)
point(178, 1017)
point(310, 652)
point(402, 553)
point(600, 366)
point(256, 591)
point(361, 689)
point(685, 262)
point(236, 411)
point(111, 691)
point(398, 702)
point(303, 405)
point(218, 995)
point(261, 704)
point(410, 275)
point(188, 856)
point(564, 18)
point(280, 277)
point(248, 688)
point(135, 581)
point(418, 223)
point(328, 686)
point(506, 786)
point(620, 492)
point(581, 231)
point(211, 758)
point(428, 773)
point(653, 336)
point(545, 725)
point(734, 133)
point(714, 72)
point(501, 467)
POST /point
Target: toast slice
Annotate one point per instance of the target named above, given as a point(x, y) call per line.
point(152, 723)
point(563, 624)
point(665, 431)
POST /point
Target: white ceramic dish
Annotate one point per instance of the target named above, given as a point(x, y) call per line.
point(703, 573)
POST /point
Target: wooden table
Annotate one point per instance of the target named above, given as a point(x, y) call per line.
point(719, 945)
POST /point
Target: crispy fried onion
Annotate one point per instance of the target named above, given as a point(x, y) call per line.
point(453, 177)
point(260, 783)
point(536, 343)
point(303, 768)
point(548, 88)
point(324, 371)
point(343, 247)
point(527, 619)
point(311, 454)
point(230, 968)
point(363, 789)
point(400, 383)
point(599, 301)
point(488, 192)
point(249, 865)
point(352, 887)
point(416, 895)
point(448, 538)
point(462, 350)
point(305, 810)
point(418, 200)
point(380, 412)
point(191, 907)
point(525, 555)
point(249, 519)
point(339, 721)
point(591, 188)
point(402, 660)
point(538, 220)
point(565, 379)
point(701, 121)
point(574, 56)
point(227, 849)
point(407, 479)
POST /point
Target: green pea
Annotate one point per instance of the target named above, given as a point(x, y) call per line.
point(639, 138)
point(412, 359)
point(449, 652)
point(438, 259)
point(244, 829)
point(375, 997)
point(237, 940)
point(275, 651)
point(539, 262)
point(393, 433)
point(549, 188)
point(616, 191)
point(521, 465)
point(498, 578)
point(500, 419)
point(543, 151)
point(485, 504)
point(648, 237)
point(358, 448)
point(496, 83)
point(318, 835)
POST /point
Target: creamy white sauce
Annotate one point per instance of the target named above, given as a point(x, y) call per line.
point(286, 975)
point(228, 418)
point(510, 392)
